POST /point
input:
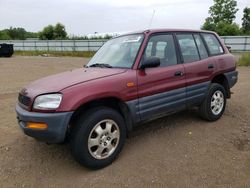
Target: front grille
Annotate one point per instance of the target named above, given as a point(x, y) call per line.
point(24, 99)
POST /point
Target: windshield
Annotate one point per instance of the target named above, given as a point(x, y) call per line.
point(118, 52)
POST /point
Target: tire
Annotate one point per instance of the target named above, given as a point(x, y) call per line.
point(98, 137)
point(213, 107)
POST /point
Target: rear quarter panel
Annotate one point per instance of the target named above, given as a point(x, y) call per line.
point(224, 63)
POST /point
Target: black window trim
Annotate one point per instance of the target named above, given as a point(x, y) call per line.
point(177, 46)
point(209, 53)
point(196, 46)
point(205, 45)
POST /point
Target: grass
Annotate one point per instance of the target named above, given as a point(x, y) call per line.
point(244, 59)
point(54, 53)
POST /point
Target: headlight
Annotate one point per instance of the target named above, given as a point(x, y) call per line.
point(48, 102)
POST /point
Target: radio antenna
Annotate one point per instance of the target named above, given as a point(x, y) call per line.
point(151, 20)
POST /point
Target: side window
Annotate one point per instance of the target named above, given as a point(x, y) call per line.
point(201, 47)
point(162, 46)
point(160, 49)
point(188, 48)
point(213, 44)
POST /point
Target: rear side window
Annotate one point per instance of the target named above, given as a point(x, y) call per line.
point(162, 46)
point(213, 44)
point(201, 47)
point(188, 48)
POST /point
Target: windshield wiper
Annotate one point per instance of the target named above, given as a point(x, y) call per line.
point(100, 65)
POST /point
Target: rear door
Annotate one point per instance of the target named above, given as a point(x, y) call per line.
point(197, 64)
point(161, 89)
point(217, 52)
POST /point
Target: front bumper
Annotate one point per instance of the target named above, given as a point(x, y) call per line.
point(57, 124)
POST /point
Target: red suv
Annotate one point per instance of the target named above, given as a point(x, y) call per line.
point(131, 79)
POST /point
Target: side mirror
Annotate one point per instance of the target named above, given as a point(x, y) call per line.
point(150, 62)
point(229, 48)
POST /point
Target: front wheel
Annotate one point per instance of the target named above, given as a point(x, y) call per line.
point(214, 104)
point(98, 137)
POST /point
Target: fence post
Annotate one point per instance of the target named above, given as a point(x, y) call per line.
point(245, 45)
point(47, 45)
point(35, 46)
point(62, 46)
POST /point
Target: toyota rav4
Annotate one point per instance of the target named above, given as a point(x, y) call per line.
point(131, 79)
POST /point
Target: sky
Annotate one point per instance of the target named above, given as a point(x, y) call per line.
point(107, 16)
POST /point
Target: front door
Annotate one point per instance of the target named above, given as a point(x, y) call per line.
point(161, 89)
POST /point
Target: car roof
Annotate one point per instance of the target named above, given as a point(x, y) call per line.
point(150, 31)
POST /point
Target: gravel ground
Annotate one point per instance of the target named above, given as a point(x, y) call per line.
point(176, 151)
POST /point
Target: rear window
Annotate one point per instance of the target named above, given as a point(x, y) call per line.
point(213, 44)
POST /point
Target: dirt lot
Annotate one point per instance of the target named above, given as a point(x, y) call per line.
point(177, 151)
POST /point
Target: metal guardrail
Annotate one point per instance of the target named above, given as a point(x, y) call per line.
point(237, 43)
point(55, 45)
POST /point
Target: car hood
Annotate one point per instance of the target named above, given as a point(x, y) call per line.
point(58, 82)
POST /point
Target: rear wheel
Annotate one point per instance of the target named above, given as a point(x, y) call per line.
point(214, 105)
point(98, 137)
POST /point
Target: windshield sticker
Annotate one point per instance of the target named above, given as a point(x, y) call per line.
point(132, 39)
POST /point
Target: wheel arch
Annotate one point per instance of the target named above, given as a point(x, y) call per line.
point(111, 102)
point(222, 80)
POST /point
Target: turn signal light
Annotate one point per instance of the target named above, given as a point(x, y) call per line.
point(130, 84)
point(32, 125)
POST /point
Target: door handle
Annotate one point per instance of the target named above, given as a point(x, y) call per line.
point(210, 66)
point(178, 73)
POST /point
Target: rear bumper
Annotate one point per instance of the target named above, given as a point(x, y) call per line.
point(57, 124)
point(232, 78)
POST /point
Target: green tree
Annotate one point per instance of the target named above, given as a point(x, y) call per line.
point(60, 31)
point(31, 35)
point(47, 33)
point(222, 15)
point(226, 29)
point(4, 35)
point(246, 21)
point(16, 33)
point(209, 24)
point(223, 10)
point(107, 36)
point(51, 32)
